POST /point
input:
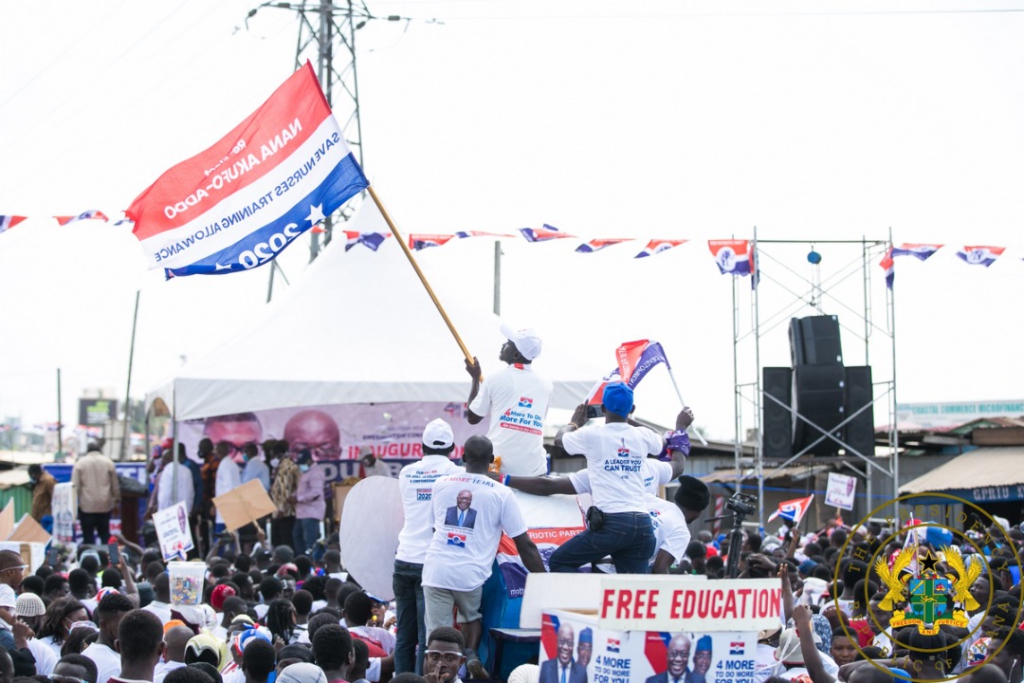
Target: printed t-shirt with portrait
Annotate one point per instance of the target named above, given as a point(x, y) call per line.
point(416, 486)
point(516, 399)
point(460, 557)
point(616, 453)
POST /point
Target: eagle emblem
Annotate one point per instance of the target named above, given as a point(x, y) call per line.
point(928, 599)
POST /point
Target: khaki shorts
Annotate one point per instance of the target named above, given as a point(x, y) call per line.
point(439, 603)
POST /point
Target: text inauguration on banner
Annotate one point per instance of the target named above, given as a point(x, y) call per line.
point(730, 605)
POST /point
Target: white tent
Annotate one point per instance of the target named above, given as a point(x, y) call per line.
point(359, 328)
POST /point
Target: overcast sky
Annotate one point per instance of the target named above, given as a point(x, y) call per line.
point(695, 120)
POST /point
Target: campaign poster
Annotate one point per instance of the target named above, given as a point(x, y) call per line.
point(64, 508)
point(590, 654)
point(173, 532)
point(841, 491)
point(336, 435)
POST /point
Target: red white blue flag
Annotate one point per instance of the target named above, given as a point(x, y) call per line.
point(732, 256)
point(84, 216)
point(463, 234)
point(420, 241)
point(980, 256)
point(657, 246)
point(599, 244)
point(235, 205)
point(922, 252)
point(793, 510)
point(8, 222)
point(596, 395)
point(544, 234)
point(370, 240)
point(636, 358)
point(888, 266)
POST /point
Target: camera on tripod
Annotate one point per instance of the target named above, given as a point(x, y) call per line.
point(741, 504)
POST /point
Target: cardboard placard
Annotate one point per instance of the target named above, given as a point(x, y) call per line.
point(29, 531)
point(341, 491)
point(7, 520)
point(244, 505)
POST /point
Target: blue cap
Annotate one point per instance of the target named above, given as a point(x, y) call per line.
point(586, 636)
point(704, 644)
point(618, 399)
point(807, 566)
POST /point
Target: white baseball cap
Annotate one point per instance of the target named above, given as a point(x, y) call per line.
point(438, 434)
point(526, 340)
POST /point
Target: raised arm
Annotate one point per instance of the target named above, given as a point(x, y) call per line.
point(812, 659)
point(475, 374)
point(579, 418)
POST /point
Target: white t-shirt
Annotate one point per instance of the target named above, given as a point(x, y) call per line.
point(616, 453)
point(164, 668)
point(8, 599)
point(229, 477)
point(656, 474)
point(108, 662)
point(416, 485)
point(465, 541)
point(386, 639)
point(516, 399)
point(670, 528)
point(45, 657)
point(161, 609)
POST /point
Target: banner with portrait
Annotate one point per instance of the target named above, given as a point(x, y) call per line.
point(336, 435)
point(64, 512)
point(591, 654)
point(173, 532)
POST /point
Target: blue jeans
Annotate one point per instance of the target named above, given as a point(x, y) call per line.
point(627, 536)
point(411, 629)
point(305, 534)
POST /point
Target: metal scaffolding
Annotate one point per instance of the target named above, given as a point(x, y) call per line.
point(773, 273)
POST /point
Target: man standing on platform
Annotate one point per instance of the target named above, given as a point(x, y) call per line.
point(42, 492)
point(310, 505)
point(517, 400)
point(99, 492)
point(416, 486)
point(229, 476)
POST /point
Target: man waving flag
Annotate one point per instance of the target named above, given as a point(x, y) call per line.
point(237, 204)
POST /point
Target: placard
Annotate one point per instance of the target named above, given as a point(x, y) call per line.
point(7, 520)
point(64, 511)
point(841, 491)
point(592, 654)
point(29, 531)
point(244, 505)
point(667, 603)
point(173, 532)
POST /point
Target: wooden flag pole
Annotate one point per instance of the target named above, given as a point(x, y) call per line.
point(423, 279)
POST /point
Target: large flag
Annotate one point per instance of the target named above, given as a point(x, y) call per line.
point(84, 216)
point(237, 204)
point(980, 256)
point(636, 358)
point(419, 241)
point(599, 244)
point(793, 510)
point(8, 222)
point(888, 266)
point(544, 234)
point(657, 246)
point(732, 256)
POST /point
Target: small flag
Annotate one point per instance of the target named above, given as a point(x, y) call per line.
point(887, 265)
point(373, 240)
point(237, 204)
point(84, 216)
point(980, 256)
point(636, 358)
point(479, 233)
point(657, 246)
point(921, 252)
point(544, 234)
point(458, 540)
point(599, 244)
point(418, 242)
point(8, 222)
point(793, 510)
point(732, 256)
point(737, 648)
point(613, 645)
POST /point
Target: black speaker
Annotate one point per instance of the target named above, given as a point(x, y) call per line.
point(860, 431)
point(776, 420)
point(815, 341)
point(820, 397)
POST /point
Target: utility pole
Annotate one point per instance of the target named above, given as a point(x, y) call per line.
point(497, 277)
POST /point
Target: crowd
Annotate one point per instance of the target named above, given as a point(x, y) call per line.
point(284, 608)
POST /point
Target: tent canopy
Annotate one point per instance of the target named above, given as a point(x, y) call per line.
point(359, 328)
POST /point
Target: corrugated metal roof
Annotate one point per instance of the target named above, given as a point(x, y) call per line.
point(795, 472)
point(994, 466)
